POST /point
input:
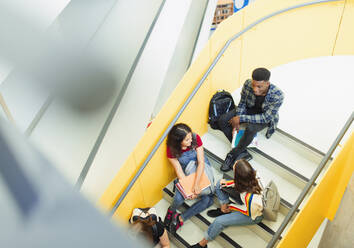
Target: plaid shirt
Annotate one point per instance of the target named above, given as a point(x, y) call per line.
point(270, 106)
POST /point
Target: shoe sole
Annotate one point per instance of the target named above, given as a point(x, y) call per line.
point(225, 170)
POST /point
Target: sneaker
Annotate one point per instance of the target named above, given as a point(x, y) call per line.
point(244, 155)
point(215, 213)
point(228, 163)
point(175, 223)
point(197, 245)
point(168, 218)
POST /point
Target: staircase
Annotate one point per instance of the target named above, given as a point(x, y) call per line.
point(284, 159)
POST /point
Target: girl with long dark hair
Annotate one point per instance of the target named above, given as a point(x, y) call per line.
point(153, 231)
point(246, 183)
point(186, 154)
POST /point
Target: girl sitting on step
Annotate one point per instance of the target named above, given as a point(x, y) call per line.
point(245, 183)
point(186, 154)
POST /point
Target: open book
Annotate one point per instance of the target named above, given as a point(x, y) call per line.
point(185, 185)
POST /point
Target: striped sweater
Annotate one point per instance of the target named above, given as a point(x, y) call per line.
point(252, 203)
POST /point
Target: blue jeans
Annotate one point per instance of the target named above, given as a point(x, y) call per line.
point(232, 219)
point(223, 197)
point(204, 202)
point(251, 130)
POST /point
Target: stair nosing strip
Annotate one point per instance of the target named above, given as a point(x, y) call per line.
point(266, 228)
point(206, 222)
point(277, 162)
point(213, 155)
point(180, 239)
point(301, 142)
point(286, 203)
point(217, 158)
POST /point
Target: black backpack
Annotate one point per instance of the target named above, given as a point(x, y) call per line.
point(221, 103)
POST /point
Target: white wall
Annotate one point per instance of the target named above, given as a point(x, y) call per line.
point(22, 99)
point(205, 29)
point(184, 51)
point(318, 98)
point(68, 136)
point(2, 113)
point(134, 112)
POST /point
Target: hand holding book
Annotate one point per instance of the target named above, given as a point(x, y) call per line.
point(187, 187)
point(237, 135)
point(196, 189)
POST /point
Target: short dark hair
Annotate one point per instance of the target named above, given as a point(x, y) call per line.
point(261, 74)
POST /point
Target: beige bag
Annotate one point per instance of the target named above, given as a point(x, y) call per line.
point(271, 201)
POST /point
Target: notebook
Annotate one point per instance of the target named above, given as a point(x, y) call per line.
point(185, 184)
point(237, 137)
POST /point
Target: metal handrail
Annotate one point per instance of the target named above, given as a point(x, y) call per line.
point(201, 81)
point(308, 186)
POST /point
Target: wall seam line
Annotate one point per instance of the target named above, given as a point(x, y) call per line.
point(339, 26)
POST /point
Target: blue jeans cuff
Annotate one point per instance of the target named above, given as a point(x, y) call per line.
point(224, 201)
point(206, 236)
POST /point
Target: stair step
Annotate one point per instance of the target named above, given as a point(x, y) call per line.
point(199, 220)
point(245, 236)
point(190, 232)
point(216, 163)
point(266, 224)
point(288, 188)
point(290, 152)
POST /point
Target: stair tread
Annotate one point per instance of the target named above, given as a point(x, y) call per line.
point(284, 153)
point(274, 225)
point(285, 150)
point(287, 190)
point(190, 232)
point(243, 235)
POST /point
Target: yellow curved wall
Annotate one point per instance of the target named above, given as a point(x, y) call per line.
point(319, 30)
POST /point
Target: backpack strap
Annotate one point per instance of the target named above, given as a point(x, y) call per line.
point(264, 199)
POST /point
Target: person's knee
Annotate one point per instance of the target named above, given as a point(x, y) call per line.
point(219, 223)
point(218, 184)
point(252, 128)
point(205, 200)
point(178, 198)
point(211, 201)
point(255, 127)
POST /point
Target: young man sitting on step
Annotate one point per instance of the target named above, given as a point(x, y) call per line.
point(258, 108)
